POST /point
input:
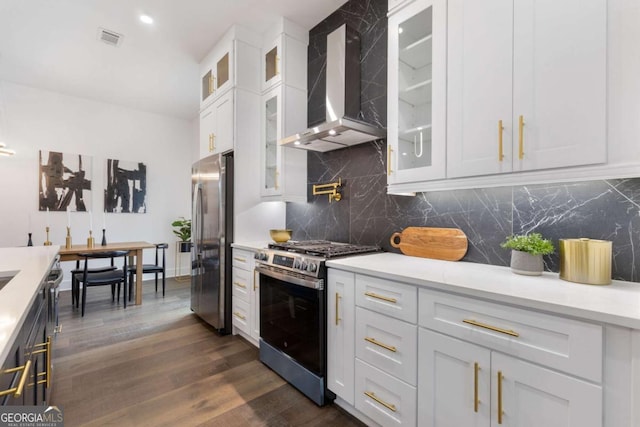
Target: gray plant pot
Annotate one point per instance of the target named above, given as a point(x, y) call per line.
point(525, 263)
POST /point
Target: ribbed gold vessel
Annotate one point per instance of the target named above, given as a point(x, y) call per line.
point(585, 261)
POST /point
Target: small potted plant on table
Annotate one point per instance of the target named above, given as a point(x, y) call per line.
point(182, 229)
point(526, 253)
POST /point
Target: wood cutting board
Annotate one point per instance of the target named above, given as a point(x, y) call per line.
point(449, 244)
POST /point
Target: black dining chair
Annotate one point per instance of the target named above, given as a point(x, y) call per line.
point(75, 287)
point(110, 277)
point(157, 268)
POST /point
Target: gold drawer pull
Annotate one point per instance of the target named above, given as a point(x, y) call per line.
point(389, 150)
point(237, 258)
point(500, 411)
point(521, 137)
point(500, 146)
point(48, 355)
point(17, 391)
point(337, 308)
point(383, 345)
point(476, 369)
point(240, 285)
point(382, 297)
point(239, 316)
point(380, 401)
point(492, 328)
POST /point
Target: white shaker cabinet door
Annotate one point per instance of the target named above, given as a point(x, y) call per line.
point(479, 87)
point(453, 382)
point(341, 334)
point(560, 76)
point(530, 395)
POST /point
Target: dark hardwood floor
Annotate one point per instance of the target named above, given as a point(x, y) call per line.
point(157, 364)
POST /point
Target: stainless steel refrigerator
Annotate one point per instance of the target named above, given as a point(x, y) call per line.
point(212, 234)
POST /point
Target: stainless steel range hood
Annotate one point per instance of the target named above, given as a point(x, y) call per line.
point(340, 129)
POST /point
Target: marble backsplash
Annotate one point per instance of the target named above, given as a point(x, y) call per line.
point(608, 210)
point(605, 209)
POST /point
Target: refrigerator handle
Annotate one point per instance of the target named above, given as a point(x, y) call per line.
point(195, 220)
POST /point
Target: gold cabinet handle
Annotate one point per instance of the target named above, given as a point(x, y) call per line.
point(240, 285)
point(17, 391)
point(380, 401)
point(389, 150)
point(380, 344)
point(213, 142)
point(254, 280)
point(500, 151)
point(476, 369)
point(241, 259)
point(239, 316)
point(337, 308)
point(491, 328)
point(277, 67)
point(210, 142)
point(47, 373)
point(276, 175)
point(521, 137)
point(213, 85)
point(500, 377)
point(381, 297)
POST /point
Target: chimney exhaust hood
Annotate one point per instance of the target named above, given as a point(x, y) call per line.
point(340, 129)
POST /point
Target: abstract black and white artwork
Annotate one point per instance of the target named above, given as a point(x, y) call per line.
point(126, 187)
point(64, 180)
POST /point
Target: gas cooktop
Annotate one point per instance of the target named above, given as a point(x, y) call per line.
point(323, 248)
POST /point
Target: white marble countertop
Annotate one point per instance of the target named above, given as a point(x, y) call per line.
point(32, 265)
point(617, 304)
point(250, 246)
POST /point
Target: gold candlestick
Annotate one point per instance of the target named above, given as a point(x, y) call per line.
point(68, 244)
point(90, 241)
point(47, 242)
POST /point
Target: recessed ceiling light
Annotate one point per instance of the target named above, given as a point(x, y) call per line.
point(146, 19)
point(400, 30)
point(296, 143)
point(332, 132)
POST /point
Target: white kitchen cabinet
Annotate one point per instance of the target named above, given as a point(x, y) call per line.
point(284, 56)
point(384, 398)
point(526, 85)
point(464, 384)
point(341, 334)
point(217, 126)
point(232, 63)
point(284, 170)
point(416, 92)
point(216, 75)
point(245, 296)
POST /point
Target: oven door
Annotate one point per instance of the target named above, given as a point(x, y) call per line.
point(292, 316)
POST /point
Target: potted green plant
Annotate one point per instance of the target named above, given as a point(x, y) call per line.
point(182, 229)
point(527, 251)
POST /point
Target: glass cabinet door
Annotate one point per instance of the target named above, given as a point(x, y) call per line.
point(222, 71)
point(414, 91)
point(271, 152)
point(416, 105)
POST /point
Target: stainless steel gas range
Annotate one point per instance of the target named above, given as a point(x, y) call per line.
point(293, 311)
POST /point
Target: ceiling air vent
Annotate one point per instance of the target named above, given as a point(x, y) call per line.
point(109, 37)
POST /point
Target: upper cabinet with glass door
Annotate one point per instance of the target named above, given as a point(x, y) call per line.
point(231, 63)
point(284, 56)
point(416, 92)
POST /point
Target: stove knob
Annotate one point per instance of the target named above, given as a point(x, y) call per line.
point(263, 256)
point(313, 267)
point(296, 263)
point(304, 265)
point(256, 255)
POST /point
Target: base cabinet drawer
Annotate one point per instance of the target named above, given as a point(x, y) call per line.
point(241, 281)
point(240, 315)
point(388, 344)
point(383, 398)
point(394, 299)
point(564, 344)
point(242, 259)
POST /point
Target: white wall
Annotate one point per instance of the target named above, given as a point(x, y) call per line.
point(33, 119)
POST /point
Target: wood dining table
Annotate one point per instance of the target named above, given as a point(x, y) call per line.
point(134, 248)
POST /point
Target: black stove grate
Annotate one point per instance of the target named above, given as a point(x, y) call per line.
point(323, 248)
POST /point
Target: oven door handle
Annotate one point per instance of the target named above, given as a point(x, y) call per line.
point(308, 283)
